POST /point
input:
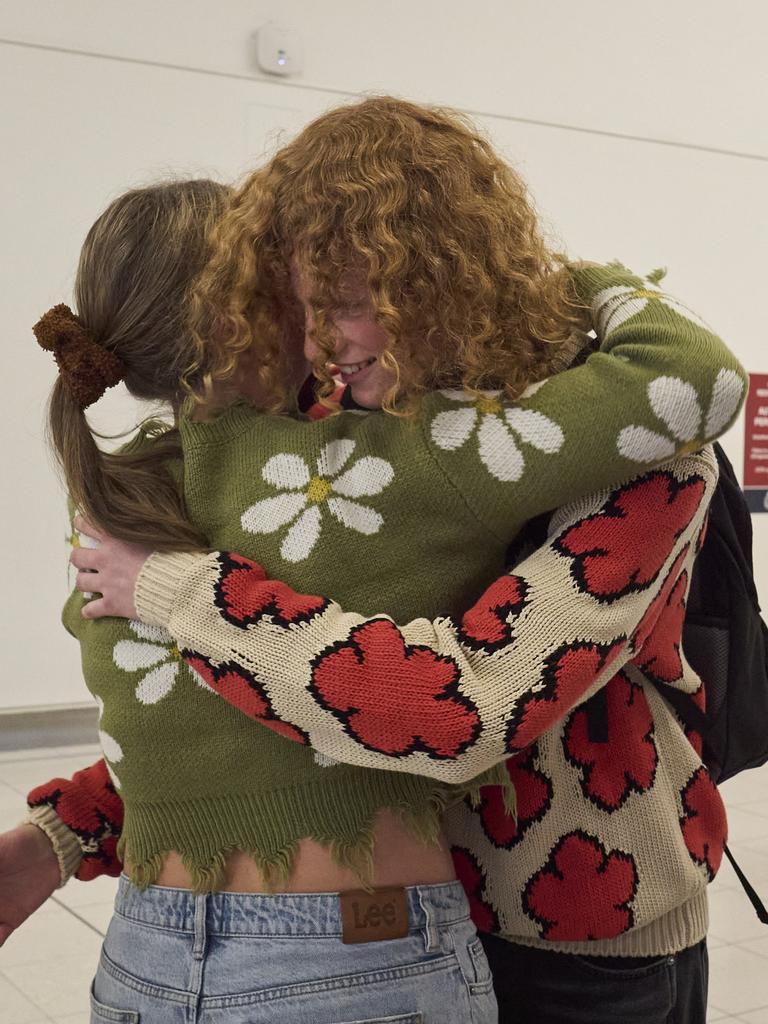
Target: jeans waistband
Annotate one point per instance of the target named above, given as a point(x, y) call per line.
point(289, 914)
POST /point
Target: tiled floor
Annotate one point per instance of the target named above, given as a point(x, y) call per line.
point(46, 967)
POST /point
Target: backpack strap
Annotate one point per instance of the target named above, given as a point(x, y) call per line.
point(754, 899)
point(735, 522)
point(695, 718)
point(596, 709)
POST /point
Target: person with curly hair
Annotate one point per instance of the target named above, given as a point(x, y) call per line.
point(471, 434)
point(406, 207)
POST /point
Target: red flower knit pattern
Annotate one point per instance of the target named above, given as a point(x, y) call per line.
point(89, 805)
point(565, 869)
point(487, 625)
point(626, 762)
point(695, 738)
point(392, 697)
point(244, 595)
point(567, 674)
point(704, 825)
point(534, 795)
point(612, 556)
point(660, 655)
point(583, 892)
point(472, 879)
point(649, 621)
point(240, 689)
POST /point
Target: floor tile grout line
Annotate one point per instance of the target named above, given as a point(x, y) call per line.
point(78, 916)
point(26, 995)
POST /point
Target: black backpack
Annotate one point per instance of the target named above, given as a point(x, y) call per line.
point(725, 639)
point(726, 642)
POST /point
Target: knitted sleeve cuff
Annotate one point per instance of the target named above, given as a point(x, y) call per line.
point(158, 582)
point(65, 843)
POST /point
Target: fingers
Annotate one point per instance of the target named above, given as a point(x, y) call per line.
point(83, 525)
point(87, 583)
point(96, 609)
point(86, 559)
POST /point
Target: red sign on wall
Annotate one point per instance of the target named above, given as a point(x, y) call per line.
point(756, 443)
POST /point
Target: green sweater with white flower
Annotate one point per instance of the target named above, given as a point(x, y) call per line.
point(407, 516)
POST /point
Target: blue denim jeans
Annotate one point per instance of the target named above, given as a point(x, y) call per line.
point(171, 957)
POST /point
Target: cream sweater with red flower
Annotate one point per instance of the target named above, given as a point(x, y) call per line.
point(563, 662)
point(618, 827)
point(450, 699)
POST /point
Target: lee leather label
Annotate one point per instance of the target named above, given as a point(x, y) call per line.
point(373, 916)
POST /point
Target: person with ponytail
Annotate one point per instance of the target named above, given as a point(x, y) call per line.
point(131, 297)
point(234, 827)
point(136, 267)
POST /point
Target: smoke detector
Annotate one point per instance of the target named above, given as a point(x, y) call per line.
point(279, 51)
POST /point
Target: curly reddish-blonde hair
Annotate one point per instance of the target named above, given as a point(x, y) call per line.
point(443, 232)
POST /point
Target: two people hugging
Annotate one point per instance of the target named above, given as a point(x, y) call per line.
point(380, 623)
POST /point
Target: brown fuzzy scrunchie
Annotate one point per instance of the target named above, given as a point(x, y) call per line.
point(87, 368)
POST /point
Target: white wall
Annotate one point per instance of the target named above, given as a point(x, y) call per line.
point(166, 89)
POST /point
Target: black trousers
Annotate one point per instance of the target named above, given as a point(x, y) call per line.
point(535, 986)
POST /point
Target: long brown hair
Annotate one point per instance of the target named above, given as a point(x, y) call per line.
point(441, 229)
point(131, 289)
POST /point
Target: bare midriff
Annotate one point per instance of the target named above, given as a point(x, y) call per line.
point(400, 858)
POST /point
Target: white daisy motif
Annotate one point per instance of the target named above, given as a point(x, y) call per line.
point(155, 650)
point(113, 752)
point(677, 405)
point(614, 306)
point(499, 431)
point(304, 496)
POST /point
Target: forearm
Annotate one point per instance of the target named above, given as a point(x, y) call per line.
point(660, 385)
point(445, 699)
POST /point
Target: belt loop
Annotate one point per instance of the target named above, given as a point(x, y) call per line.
point(198, 947)
point(431, 937)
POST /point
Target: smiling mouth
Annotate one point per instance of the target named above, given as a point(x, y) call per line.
point(350, 369)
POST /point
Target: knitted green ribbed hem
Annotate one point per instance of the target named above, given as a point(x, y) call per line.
point(268, 827)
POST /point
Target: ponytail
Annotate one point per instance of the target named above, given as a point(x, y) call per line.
point(132, 494)
point(136, 267)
